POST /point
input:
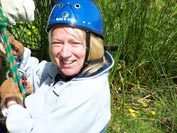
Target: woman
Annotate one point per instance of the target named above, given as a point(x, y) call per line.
point(71, 92)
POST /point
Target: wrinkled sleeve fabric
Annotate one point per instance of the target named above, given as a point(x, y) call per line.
point(65, 119)
point(18, 120)
point(28, 65)
point(74, 109)
point(36, 72)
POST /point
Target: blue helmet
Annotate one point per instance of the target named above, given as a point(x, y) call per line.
point(83, 14)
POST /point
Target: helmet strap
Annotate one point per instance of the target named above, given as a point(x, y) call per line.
point(86, 62)
point(87, 48)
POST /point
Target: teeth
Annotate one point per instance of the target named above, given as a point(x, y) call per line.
point(67, 62)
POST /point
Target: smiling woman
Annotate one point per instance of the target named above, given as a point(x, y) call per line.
point(72, 92)
point(67, 50)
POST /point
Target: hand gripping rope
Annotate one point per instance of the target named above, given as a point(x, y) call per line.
point(9, 54)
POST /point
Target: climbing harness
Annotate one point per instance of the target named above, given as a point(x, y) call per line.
point(9, 53)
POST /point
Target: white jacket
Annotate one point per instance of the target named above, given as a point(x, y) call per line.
point(81, 105)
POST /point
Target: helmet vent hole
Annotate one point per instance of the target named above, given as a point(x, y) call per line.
point(77, 6)
point(60, 5)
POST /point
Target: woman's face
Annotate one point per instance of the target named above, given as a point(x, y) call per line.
point(67, 50)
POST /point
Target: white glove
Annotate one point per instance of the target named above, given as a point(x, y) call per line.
point(16, 10)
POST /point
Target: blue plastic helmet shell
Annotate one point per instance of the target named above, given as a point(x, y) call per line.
point(83, 14)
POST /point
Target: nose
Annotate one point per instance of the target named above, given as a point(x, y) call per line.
point(66, 51)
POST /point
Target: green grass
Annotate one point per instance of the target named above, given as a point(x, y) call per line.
point(144, 71)
point(144, 78)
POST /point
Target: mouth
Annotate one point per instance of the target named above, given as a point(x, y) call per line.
point(67, 62)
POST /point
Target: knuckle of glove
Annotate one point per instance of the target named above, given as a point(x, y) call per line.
point(9, 89)
point(18, 49)
point(17, 46)
point(29, 89)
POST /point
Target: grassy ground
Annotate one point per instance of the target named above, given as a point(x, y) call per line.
point(144, 78)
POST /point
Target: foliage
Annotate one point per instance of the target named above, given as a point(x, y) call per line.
point(143, 79)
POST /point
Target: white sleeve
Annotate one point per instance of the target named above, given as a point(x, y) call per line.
point(36, 72)
point(19, 120)
point(27, 64)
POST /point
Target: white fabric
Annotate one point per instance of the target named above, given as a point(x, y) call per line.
point(81, 105)
point(16, 10)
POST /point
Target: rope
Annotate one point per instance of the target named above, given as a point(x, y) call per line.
point(9, 53)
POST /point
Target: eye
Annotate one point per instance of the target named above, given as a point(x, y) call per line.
point(57, 44)
point(77, 6)
point(76, 44)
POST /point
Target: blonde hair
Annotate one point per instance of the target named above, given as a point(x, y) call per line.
point(96, 52)
point(96, 48)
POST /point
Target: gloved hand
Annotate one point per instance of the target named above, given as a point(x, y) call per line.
point(17, 47)
point(16, 10)
point(9, 91)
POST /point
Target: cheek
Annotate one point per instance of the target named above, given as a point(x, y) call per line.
point(53, 53)
point(80, 60)
point(80, 53)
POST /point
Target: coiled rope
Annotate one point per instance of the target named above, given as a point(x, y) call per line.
point(9, 53)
